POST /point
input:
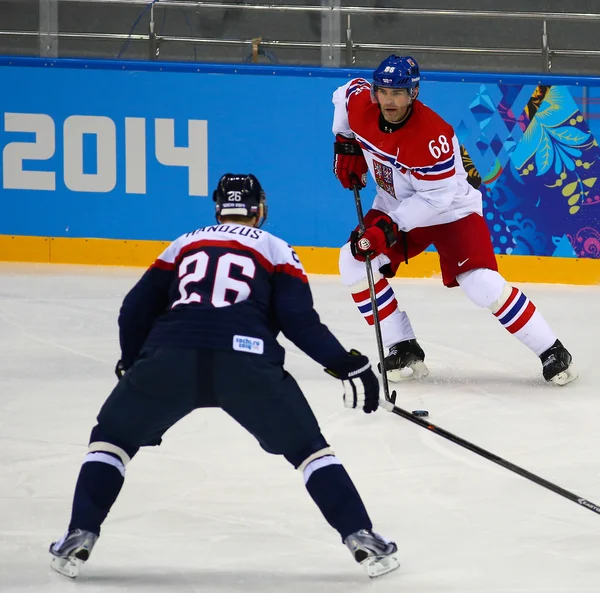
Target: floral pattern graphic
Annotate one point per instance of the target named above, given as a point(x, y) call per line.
point(538, 169)
point(586, 243)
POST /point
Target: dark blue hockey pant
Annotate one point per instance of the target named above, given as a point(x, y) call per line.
point(166, 384)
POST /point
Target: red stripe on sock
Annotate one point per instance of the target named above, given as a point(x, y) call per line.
point(523, 319)
point(388, 309)
point(383, 313)
point(363, 295)
point(509, 301)
point(359, 297)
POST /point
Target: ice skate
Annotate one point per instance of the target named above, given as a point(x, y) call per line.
point(405, 361)
point(556, 365)
point(71, 551)
point(375, 553)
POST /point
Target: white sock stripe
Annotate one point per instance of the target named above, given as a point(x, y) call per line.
point(363, 303)
point(387, 302)
point(516, 316)
point(320, 463)
point(316, 455)
point(382, 292)
point(105, 458)
point(514, 304)
point(367, 301)
point(379, 307)
point(110, 448)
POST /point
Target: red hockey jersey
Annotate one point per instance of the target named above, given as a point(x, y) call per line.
point(418, 170)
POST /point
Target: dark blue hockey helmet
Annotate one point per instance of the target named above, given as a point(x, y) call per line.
point(240, 195)
point(398, 72)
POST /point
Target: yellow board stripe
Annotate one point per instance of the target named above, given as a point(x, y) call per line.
point(515, 268)
point(316, 260)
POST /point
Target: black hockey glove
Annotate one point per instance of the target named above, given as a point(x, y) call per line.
point(361, 387)
point(120, 370)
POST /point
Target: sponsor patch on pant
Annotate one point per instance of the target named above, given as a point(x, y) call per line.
point(247, 344)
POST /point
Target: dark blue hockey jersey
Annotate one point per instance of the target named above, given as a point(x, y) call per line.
point(225, 287)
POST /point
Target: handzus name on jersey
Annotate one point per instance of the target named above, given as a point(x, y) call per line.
point(246, 344)
point(98, 151)
point(241, 230)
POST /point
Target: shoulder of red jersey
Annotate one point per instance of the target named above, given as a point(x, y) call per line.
point(357, 88)
point(430, 153)
point(272, 253)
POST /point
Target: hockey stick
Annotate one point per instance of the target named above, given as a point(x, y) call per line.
point(390, 400)
point(361, 225)
point(390, 407)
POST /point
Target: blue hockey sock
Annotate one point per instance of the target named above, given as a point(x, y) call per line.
point(99, 483)
point(333, 491)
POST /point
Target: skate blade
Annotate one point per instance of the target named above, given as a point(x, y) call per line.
point(378, 566)
point(68, 567)
point(415, 370)
point(565, 377)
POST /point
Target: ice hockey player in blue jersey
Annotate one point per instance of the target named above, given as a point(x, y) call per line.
point(199, 330)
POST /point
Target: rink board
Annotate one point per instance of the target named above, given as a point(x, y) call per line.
point(107, 161)
point(316, 260)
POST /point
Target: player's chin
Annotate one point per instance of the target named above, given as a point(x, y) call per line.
point(391, 115)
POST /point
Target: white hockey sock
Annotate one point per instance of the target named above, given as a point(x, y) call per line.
point(487, 288)
point(395, 324)
point(520, 317)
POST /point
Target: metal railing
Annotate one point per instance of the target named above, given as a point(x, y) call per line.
point(330, 10)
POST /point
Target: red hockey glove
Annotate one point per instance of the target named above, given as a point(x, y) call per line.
point(349, 164)
point(380, 236)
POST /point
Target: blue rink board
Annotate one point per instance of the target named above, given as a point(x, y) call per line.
point(272, 121)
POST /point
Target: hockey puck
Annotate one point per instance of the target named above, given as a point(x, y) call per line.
point(420, 413)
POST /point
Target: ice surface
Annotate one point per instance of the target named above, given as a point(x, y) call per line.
point(210, 511)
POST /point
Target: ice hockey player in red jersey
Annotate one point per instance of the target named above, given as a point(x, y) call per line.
point(422, 198)
point(199, 330)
